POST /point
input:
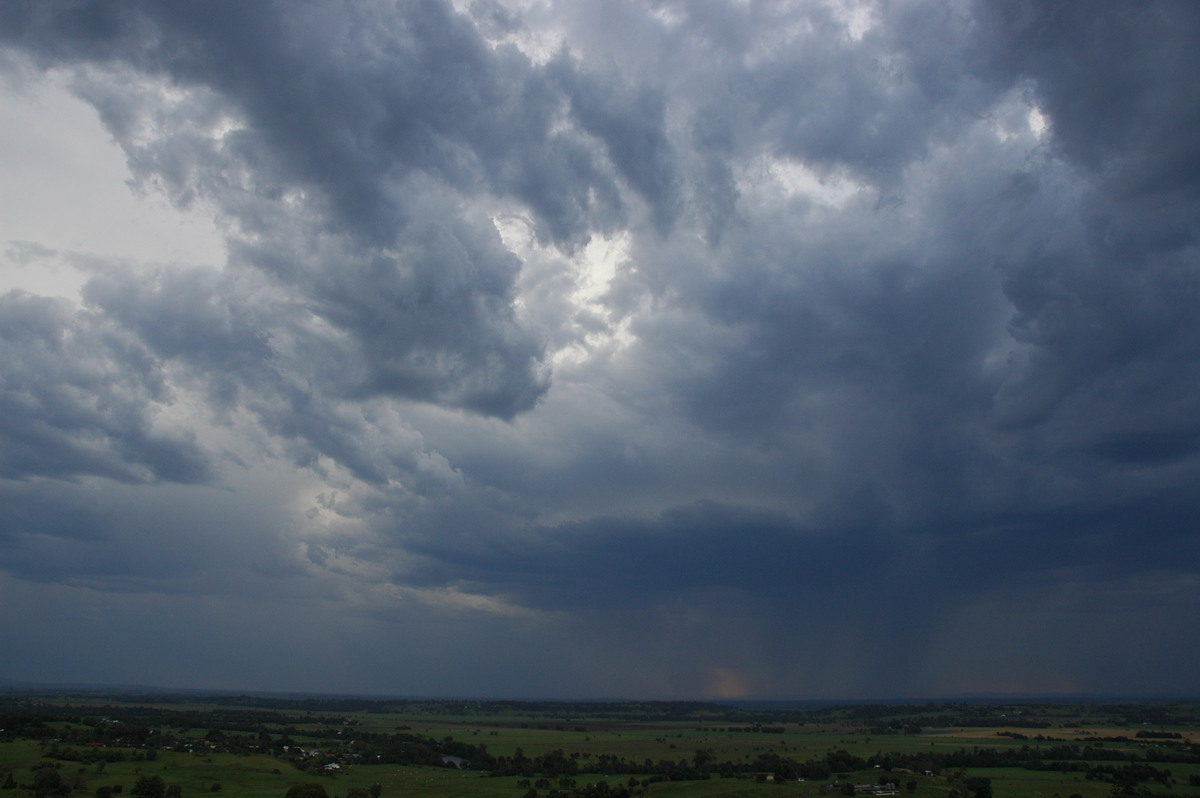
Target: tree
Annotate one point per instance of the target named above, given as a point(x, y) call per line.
point(980, 786)
point(149, 787)
point(309, 789)
point(47, 782)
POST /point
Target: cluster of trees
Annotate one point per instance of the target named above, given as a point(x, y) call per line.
point(50, 782)
point(1083, 759)
point(911, 718)
point(964, 786)
point(149, 787)
point(407, 748)
point(112, 741)
point(313, 789)
point(24, 726)
point(557, 764)
point(703, 765)
point(568, 788)
point(602, 789)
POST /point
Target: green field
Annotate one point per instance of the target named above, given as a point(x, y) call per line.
point(120, 746)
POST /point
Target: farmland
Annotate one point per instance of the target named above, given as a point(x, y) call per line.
point(118, 745)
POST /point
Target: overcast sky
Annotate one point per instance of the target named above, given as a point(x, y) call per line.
point(601, 348)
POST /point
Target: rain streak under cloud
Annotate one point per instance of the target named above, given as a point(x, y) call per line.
point(627, 348)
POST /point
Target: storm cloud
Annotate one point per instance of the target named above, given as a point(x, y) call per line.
point(654, 349)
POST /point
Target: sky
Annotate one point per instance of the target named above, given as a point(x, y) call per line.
point(601, 348)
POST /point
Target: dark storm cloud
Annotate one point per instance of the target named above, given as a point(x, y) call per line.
point(605, 562)
point(1110, 114)
point(77, 534)
point(1105, 302)
point(900, 327)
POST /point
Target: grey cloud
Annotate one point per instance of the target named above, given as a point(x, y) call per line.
point(435, 319)
point(632, 125)
point(75, 31)
point(433, 110)
point(365, 136)
point(810, 91)
point(424, 95)
point(248, 349)
point(79, 398)
point(191, 315)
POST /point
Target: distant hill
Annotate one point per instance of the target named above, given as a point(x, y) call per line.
point(8, 685)
point(87, 687)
